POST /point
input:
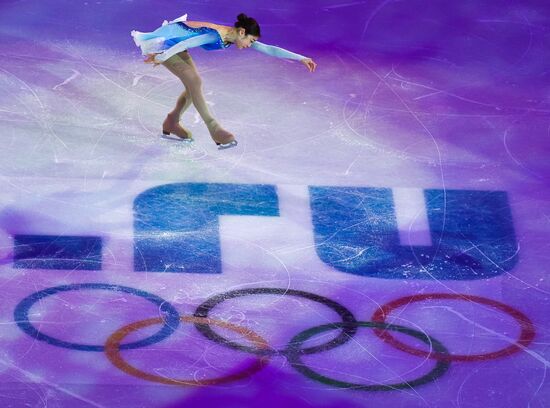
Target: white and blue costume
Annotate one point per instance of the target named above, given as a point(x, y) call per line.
point(176, 36)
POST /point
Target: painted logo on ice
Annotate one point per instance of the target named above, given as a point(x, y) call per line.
point(355, 230)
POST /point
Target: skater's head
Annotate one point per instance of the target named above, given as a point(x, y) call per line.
point(248, 31)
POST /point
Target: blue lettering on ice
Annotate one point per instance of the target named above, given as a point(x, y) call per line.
point(57, 252)
point(176, 225)
point(356, 232)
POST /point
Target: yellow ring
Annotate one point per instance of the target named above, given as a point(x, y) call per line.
point(113, 352)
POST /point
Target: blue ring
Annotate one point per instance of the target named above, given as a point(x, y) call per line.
point(21, 315)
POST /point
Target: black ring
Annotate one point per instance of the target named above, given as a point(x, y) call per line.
point(347, 317)
point(293, 354)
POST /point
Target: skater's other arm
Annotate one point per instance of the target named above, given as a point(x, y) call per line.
point(279, 52)
point(192, 42)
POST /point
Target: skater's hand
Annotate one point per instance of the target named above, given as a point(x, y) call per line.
point(150, 59)
point(309, 63)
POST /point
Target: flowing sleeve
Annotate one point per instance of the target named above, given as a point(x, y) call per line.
point(183, 45)
point(277, 52)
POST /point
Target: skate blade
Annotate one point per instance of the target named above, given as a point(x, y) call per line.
point(223, 146)
point(176, 138)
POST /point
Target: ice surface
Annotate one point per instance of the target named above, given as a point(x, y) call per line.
point(407, 179)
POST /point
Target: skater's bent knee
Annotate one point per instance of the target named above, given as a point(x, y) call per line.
point(192, 81)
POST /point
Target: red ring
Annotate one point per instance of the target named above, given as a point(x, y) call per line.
point(526, 337)
point(113, 353)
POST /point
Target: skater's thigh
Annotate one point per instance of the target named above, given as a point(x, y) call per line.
point(191, 68)
point(182, 65)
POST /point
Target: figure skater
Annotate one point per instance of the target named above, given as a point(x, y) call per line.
point(169, 44)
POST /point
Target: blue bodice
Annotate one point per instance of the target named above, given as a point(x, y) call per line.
point(218, 45)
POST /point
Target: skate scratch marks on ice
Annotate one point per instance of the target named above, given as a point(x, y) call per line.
point(65, 82)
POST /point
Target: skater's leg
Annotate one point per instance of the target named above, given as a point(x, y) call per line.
point(183, 102)
point(172, 122)
point(184, 68)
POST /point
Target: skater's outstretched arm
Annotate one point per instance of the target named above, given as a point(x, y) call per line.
point(279, 52)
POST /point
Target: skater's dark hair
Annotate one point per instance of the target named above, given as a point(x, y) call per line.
point(251, 26)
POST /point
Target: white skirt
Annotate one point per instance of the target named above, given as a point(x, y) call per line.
point(156, 42)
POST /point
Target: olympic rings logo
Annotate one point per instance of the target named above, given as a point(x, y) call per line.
point(294, 351)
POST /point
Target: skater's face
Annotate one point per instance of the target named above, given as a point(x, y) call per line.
point(244, 40)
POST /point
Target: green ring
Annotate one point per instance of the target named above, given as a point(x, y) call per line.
point(294, 354)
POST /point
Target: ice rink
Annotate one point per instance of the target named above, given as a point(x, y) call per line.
point(380, 236)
